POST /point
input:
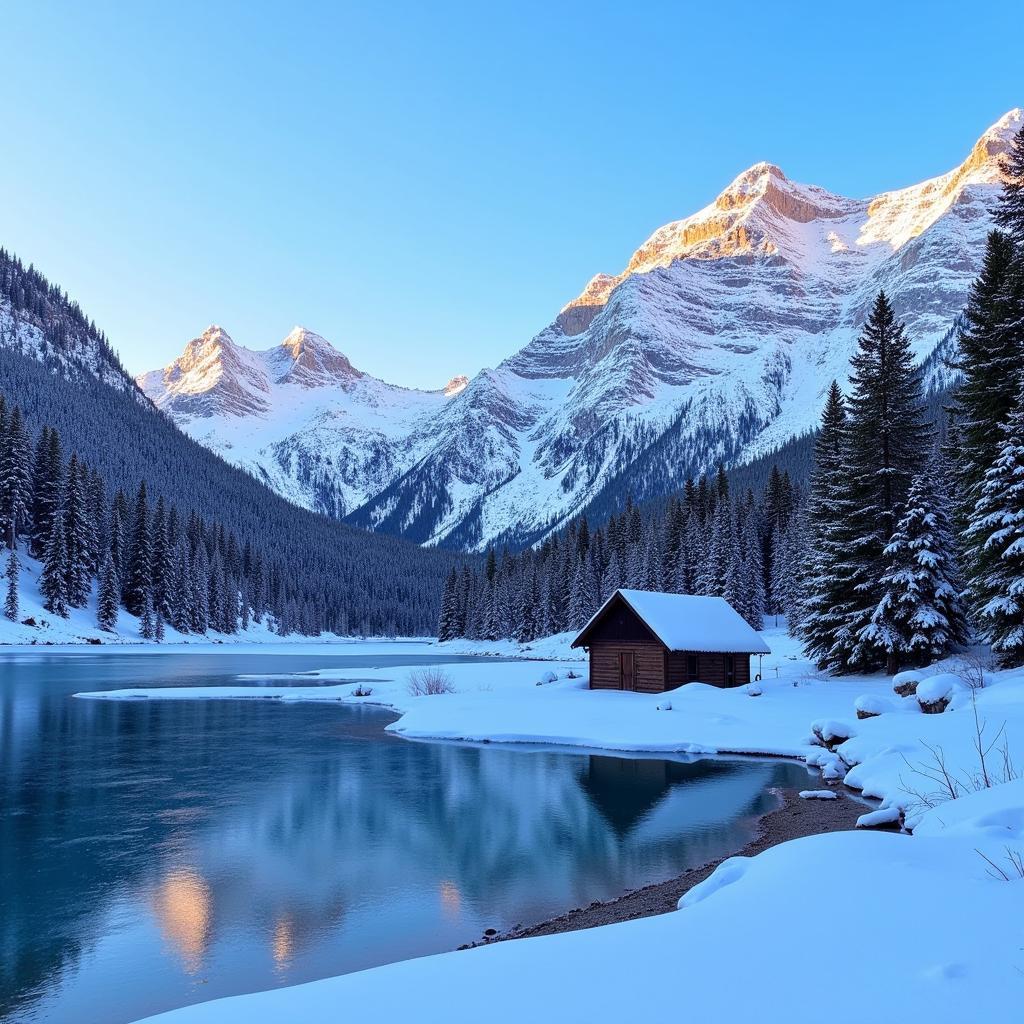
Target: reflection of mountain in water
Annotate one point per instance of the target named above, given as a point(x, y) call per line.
point(217, 820)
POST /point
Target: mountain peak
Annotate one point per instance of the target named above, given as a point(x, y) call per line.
point(456, 385)
point(313, 360)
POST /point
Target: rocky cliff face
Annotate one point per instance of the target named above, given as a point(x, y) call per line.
point(716, 341)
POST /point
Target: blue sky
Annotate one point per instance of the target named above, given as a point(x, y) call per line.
point(427, 184)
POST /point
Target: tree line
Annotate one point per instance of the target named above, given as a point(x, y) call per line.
point(165, 566)
point(59, 369)
point(705, 540)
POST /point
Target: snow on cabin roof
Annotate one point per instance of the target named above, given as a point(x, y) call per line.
point(687, 622)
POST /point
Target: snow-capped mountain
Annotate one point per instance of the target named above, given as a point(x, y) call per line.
point(299, 415)
point(717, 341)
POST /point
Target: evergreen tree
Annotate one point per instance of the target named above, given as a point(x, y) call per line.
point(991, 354)
point(52, 580)
point(15, 480)
point(828, 593)
point(79, 537)
point(888, 444)
point(1009, 212)
point(146, 623)
point(108, 597)
point(137, 581)
point(996, 530)
point(919, 617)
point(11, 574)
point(158, 630)
point(446, 629)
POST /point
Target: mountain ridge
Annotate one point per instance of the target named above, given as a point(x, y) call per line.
point(715, 342)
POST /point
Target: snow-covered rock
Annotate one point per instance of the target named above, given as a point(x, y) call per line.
point(716, 341)
point(905, 683)
point(935, 692)
point(817, 794)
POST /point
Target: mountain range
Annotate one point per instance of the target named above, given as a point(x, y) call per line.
point(716, 342)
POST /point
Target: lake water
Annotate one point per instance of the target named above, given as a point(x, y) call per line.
point(154, 854)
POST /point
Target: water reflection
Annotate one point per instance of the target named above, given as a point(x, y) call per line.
point(154, 854)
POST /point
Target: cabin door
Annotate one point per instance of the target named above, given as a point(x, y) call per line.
point(626, 670)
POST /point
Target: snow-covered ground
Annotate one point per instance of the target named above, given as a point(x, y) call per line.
point(929, 921)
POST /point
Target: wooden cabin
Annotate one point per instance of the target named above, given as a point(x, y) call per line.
point(650, 642)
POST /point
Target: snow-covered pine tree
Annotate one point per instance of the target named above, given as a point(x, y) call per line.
point(47, 484)
point(108, 596)
point(146, 623)
point(996, 533)
point(11, 572)
point(78, 537)
point(991, 354)
point(199, 607)
point(889, 441)
point(160, 551)
point(159, 630)
point(827, 587)
point(15, 480)
point(136, 577)
point(751, 573)
point(52, 580)
point(1009, 212)
point(919, 617)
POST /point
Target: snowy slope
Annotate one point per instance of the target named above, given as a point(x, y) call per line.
point(298, 416)
point(717, 341)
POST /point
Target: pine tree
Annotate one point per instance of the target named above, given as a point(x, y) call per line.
point(889, 441)
point(11, 574)
point(137, 582)
point(828, 593)
point(996, 531)
point(146, 623)
point(1009, 212)
point(52, 580)
point(919, 617)
point(78, 537)
point(751, 573)
point(991, 353)
point(108, 597)
point(159, 631)
point(449, 622)
point(15, 480)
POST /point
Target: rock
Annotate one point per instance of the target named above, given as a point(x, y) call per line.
point(489, 932)
point(753, 689)
point(884, 817)
point(905, 683)
point(935, 692)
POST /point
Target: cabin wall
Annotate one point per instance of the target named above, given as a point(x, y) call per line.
point(649, 666)
point(710, 668)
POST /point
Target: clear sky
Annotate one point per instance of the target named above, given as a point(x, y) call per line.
point(426, 184)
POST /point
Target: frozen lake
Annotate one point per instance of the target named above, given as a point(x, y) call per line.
point(154, 854)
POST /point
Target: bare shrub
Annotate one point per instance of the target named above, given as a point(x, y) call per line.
point(994, 766)
point(430, 681)
point(971, 669)
point(1014, 867)
point(362, 691)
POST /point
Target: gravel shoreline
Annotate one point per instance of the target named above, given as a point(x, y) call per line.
point(793, 819)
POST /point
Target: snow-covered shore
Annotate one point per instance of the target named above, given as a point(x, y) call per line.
point(929, 920)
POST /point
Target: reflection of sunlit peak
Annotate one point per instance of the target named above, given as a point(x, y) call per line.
point(284, 942)
point(182, 906)
point(451, 898)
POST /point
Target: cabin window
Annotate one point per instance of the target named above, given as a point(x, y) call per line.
point(692, 668)
point(730, 670)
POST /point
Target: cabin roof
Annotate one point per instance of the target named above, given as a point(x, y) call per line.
point(687, 622)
